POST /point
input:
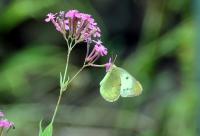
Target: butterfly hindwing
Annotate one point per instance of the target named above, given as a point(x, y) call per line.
point(138, 88)
point(129, 85)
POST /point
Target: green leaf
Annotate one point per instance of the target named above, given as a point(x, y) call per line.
point(48, 131)
point(40, 128)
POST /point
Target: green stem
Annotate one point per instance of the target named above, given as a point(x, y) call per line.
point(66, 67)
point(95, 65)
point(68, 54)
point(63, 81)
point(84, 65)
point(1, 131)
point(66, 40)
point(57, 105)
point(77, 74)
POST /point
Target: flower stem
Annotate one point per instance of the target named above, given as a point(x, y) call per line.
point(57, 105)
point(84, 65)
point(66, 67)
point(68, 55)
point(1, 131)
point(63, 81)
point(95, 65)
point(77, 73)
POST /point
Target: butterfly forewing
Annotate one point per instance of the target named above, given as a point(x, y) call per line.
point(110, 85)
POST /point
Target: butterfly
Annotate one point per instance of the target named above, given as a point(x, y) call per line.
point(118, 82)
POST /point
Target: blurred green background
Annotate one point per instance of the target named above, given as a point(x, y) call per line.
point(154, 40)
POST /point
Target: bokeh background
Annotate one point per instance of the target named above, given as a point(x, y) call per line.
point(155, 40)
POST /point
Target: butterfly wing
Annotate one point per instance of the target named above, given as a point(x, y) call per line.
point(138, 88)
point(110, 85)
point(129, 85)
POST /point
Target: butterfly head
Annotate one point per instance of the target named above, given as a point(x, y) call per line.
point(110, 65)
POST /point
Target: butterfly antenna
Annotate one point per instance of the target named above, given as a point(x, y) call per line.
point(113, 63)
point(115, 59)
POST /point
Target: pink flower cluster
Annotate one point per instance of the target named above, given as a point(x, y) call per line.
point(4, 123)
point(80, 26)
point(98, 51)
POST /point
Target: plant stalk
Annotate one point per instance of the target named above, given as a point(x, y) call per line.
point(57, 105)
point(63, 82)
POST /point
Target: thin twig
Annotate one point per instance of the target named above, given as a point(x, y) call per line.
point(95, 65)
point(63, 81)
point(87, 53)
point(57, 105)
point(81, 69)
point(66, 40)
point(84, 65)
point(1, 131)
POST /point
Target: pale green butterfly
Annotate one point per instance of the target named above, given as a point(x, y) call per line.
point(118, 82)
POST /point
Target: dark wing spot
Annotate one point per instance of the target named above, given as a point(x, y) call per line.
point(126, 77)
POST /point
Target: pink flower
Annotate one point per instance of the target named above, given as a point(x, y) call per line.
point(1, 114)
point(108, 65)
point(6, 124)
point(100, 49)
point(97, 34)
point(86, 17)
point(71, 13)
point(50, 17)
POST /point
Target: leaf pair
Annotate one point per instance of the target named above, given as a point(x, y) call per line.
point(48, 131)
point(118, 82)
